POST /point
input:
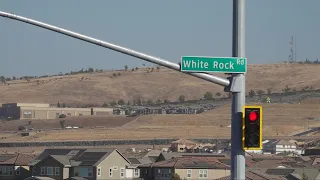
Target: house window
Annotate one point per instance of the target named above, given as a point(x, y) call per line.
point(90, 174)
point(34, 170)
point(203, 173)
point(43, 171)
point(189, 173)
point(122, 172)
point(6, 171)
point(83, 172)
point(49, 170)
point(136, 172)
point(18, 171)
point(56, 171)
point(110, 172)
point(99, 171)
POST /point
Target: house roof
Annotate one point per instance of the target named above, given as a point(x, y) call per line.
point(76, 178)
point(285, 142)
point(76, 157)
point(16, 159)
point(143, 160)
point(171, 155)
point(190, 163)
point(250, 175)
point(153, 153)
point(184, 141)
point(39, 178)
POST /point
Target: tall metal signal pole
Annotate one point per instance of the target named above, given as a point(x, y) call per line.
point(238, 94)
point(235, 84)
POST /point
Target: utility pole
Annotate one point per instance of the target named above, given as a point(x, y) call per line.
point(238, 96)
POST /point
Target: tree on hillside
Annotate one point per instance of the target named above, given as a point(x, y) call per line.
point(121, 102)
point(218, 94)
point(62, 116)
point(137, 100)
point(269, 91)
point(182, 98)
point(3, 79)
point(119, 74)
point(150, 102)
point(208, 96)
point(58, 104)
point(90, 69)
point(128, 103)
point(286, 89)
point(166, 101)
point(252, 93)
point(137, 68)
point(113, 103)
point(114, 74)
point(105, 104)
point(158, 101)
point(132, 69)
point(64, 105)
point(62, 124)
point(260, 92)
point(126, 67)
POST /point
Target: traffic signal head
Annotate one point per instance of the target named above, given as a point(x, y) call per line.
point(252, 128)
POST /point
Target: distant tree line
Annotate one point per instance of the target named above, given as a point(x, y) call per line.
point(306, 61)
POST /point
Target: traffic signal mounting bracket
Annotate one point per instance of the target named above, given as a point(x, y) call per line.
point(245, 120)
point(235, 84)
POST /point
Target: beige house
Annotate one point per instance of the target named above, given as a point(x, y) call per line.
point(44, 111)
point(91, 164)
point(186, 168)
point(185, 145)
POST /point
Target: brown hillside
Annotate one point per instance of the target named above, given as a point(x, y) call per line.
point(102, 87)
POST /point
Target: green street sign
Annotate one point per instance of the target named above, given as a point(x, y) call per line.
point(213, 64)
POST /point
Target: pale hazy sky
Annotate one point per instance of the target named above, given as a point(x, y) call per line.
point(166, 29)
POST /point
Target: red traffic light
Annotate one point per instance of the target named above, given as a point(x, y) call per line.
point(253, 116)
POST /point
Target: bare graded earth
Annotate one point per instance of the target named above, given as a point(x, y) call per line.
point(78, 121)
point(165, 84)
point(278, 120)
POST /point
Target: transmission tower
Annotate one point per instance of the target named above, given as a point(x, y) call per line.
point(293, 54)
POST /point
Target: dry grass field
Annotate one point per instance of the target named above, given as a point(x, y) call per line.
point(103, 87)
point(79, 121)
point(279, 119)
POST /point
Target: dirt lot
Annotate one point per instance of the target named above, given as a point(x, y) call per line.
point(279, 119)
point(79, 121)
point(103, 87)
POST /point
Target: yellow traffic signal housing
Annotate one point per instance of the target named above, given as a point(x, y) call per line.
point(252, 128)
